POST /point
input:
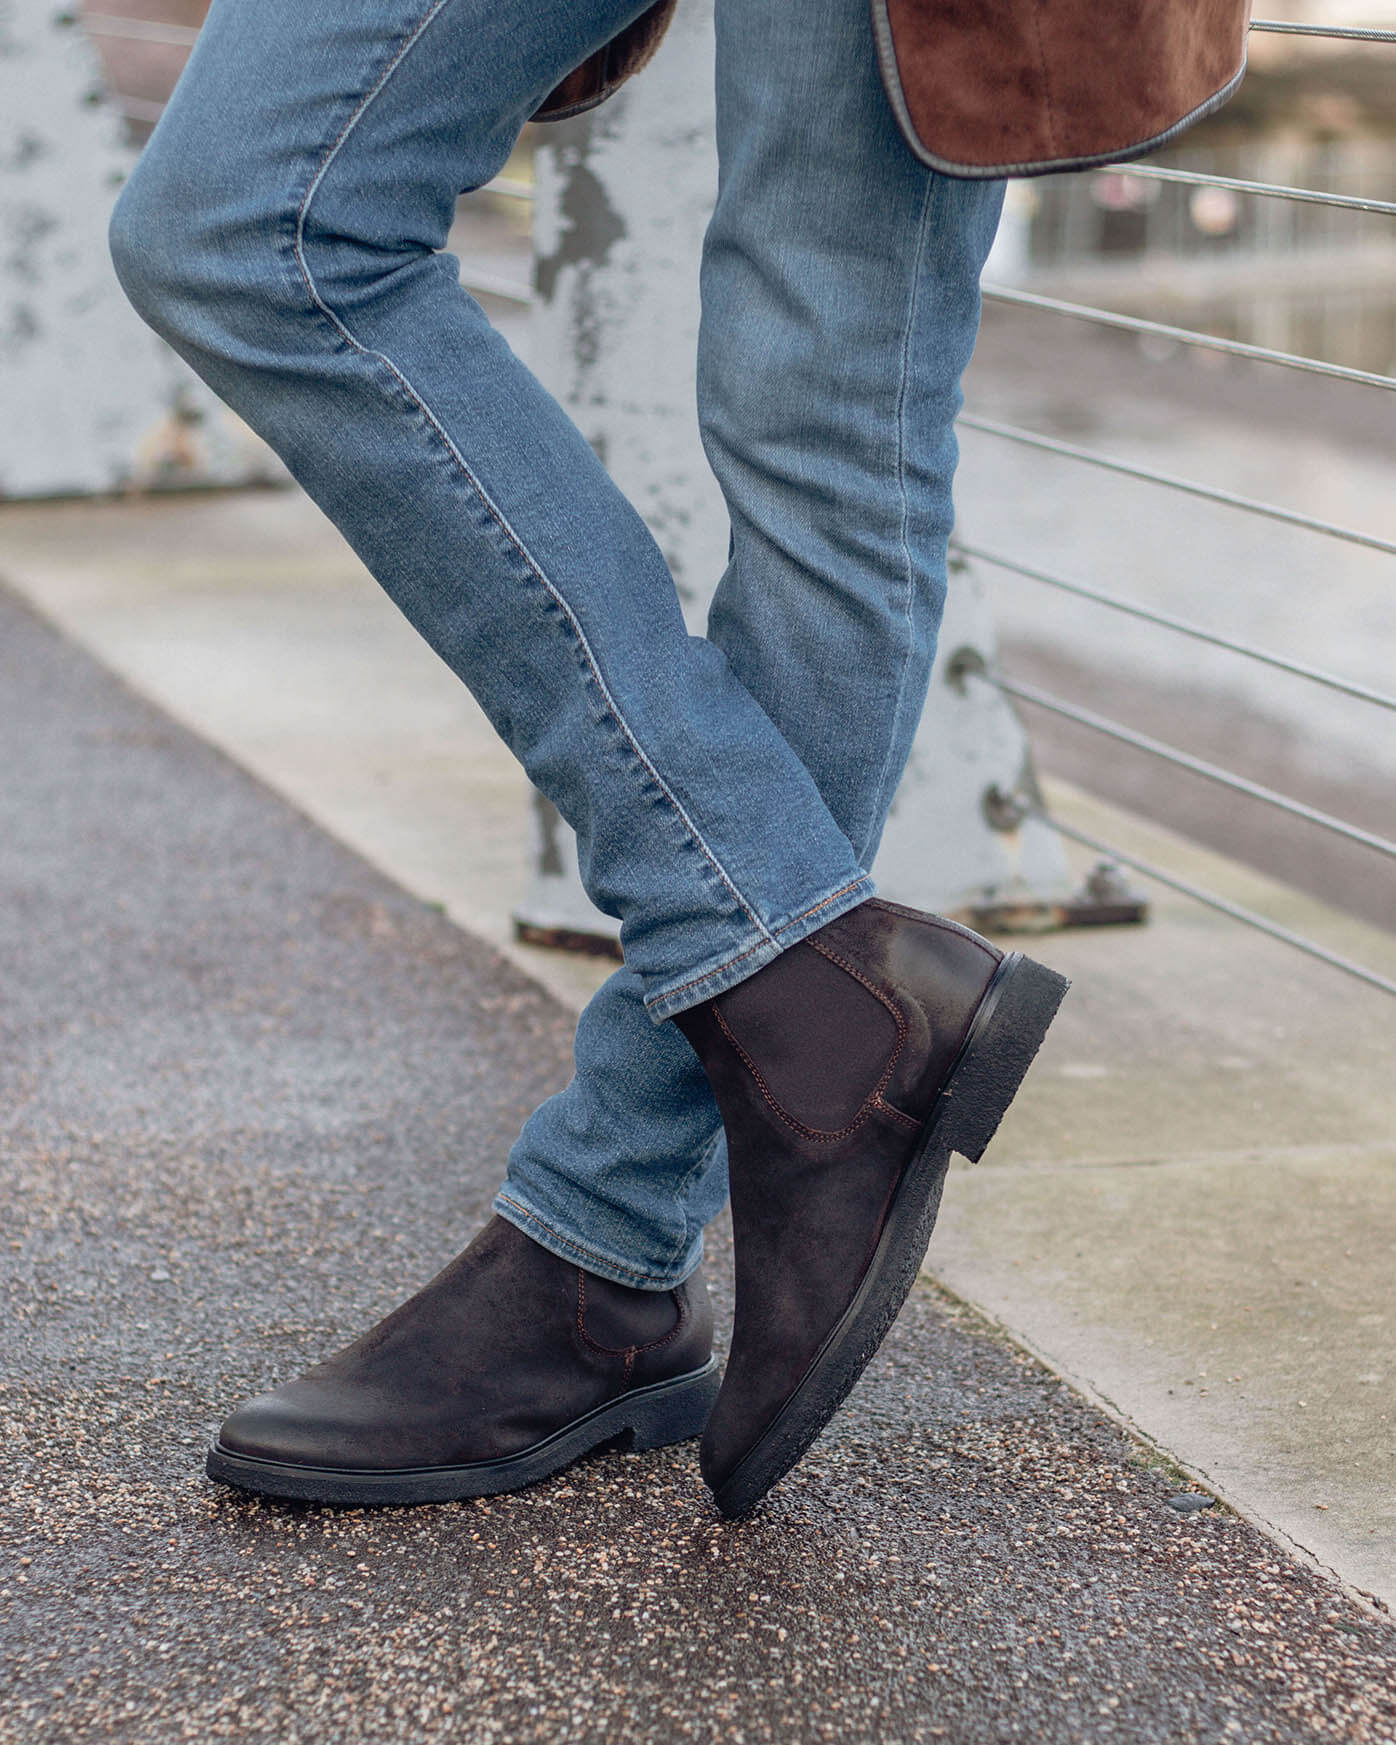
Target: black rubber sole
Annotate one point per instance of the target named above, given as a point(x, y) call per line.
point(649, 1417)
point(1013, 1017)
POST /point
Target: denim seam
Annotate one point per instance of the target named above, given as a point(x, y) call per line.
point(643, 1280)
point(913, 298)
point(588, 655)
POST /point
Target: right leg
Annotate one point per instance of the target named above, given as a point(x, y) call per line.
point(284, 230)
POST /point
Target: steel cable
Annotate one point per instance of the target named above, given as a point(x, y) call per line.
point(1235, 910)
point(1205, 179)
point(1151, 475)
point(1194, 765)
point(1339, 32)
point(1299, 670)
point(1186, 336)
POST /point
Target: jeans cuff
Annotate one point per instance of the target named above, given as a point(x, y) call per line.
point(567, 1246)
point(715, 978)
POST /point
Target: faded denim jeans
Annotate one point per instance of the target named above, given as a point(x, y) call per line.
point(284, 231)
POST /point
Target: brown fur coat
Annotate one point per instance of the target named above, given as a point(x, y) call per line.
point(1012, 87)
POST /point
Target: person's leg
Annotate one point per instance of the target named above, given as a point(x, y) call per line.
point(850, 1068)
point(284, 231)
point(286, 240)
point(840, 310)
point(840, 307)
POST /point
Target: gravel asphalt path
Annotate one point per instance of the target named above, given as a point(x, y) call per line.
point(251, 1094)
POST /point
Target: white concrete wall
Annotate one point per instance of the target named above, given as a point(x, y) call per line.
point(90, 400)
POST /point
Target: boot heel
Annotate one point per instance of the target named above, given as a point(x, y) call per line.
point(1007, 1032)
point(675, 1411)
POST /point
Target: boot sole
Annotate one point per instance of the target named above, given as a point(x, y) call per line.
point(1012, 1019)
point(648, 1417)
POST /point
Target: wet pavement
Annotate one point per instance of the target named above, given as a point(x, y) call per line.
point(251, 1093)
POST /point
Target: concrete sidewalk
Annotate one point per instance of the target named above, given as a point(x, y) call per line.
point(251, 1092)
point(1191, 1213)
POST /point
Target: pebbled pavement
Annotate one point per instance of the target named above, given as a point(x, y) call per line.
point(251, 1094)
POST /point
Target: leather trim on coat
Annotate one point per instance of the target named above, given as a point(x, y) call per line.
point(990, 88)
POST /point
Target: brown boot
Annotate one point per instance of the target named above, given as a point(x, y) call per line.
point(847, 1071)
point(510, 1364)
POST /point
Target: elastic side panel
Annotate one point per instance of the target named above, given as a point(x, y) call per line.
point(820, 1040)
point(618, 1318)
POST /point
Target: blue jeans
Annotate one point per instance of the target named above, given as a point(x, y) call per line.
point(284, 231)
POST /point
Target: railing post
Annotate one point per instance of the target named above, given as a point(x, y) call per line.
point(623, 195)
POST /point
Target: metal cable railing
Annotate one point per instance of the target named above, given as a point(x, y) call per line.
point(1186, 763)
point(1237, 911)
point(1192, 487)
point(1264, 354)
point(1194, 765)
point(140, 30)
point(1274, 190)
point(1267, 657)
point(1339, 32)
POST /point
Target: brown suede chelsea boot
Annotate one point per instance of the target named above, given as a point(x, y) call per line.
point(510, 1364)
point(847, 1070)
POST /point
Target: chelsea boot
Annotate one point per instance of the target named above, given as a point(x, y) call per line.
point(846, 1070)
point(510, 1364)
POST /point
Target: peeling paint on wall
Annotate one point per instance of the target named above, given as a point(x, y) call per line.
point(587, 227)
point(90, 400)
point(623, 196)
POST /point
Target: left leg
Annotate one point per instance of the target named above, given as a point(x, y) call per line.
point(283, 230)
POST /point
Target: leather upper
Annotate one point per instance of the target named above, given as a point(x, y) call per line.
point(824, 1065)
point(506, 1345)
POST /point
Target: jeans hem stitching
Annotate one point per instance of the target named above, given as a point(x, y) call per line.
point(643, 1280)
point(770, 939)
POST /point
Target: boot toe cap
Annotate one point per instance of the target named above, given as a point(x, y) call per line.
point(285, 1427)
point(735, 1429)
